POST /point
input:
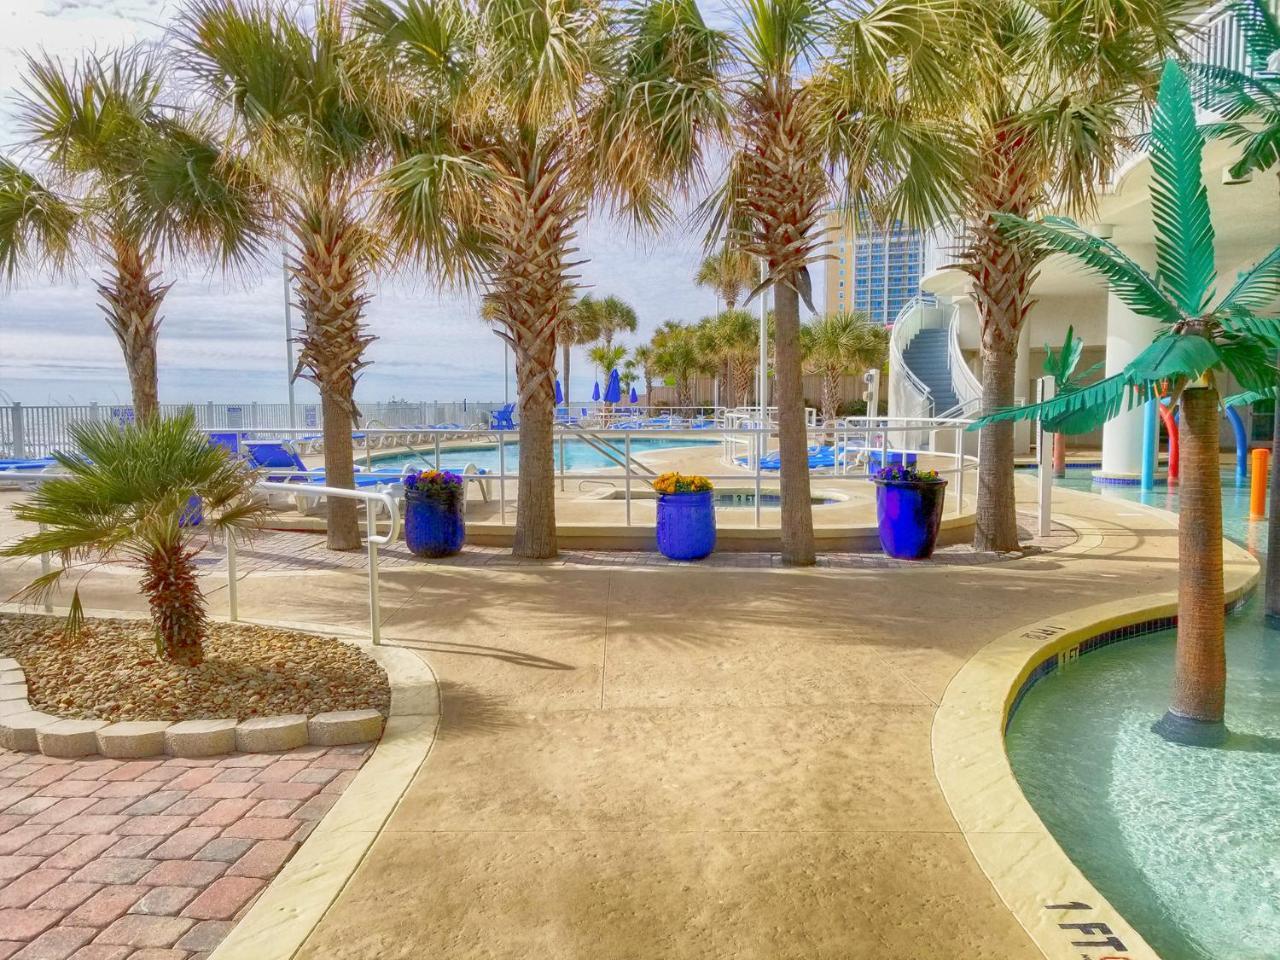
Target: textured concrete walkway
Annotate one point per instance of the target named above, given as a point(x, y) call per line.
point(706, 763)
point(657, 762)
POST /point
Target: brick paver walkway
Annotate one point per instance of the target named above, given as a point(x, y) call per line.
point(150, 859)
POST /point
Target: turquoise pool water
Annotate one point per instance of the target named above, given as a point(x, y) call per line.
point(1185, 842)
point(577, 454)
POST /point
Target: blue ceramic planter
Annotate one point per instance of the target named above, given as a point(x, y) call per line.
point(896, 459)
point(686, 525)
point(909, 513)
point(433, 526)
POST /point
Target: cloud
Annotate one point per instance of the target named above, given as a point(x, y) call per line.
point(224, 340)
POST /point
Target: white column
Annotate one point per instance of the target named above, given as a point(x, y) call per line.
point(1128, 334)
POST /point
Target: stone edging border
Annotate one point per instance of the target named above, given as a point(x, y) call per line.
point(24, 728)
point(1015, 850)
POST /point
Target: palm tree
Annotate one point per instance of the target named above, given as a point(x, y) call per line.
point(1249, 104)
point(294, 91)
point(644, 358)
point(140, 184)
point(730, 273)
point(1041, 101)
point(132, 493)
point(580, 325)
point(813, 97)
point(678, 353)
point(613, 316)
point(838, 345)
point(737, 332)
point(1201, 334)
point(516, 119)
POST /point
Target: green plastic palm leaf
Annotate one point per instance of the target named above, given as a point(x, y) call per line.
point(1128, 281)
point(1261, 32)
point(1251, 397)
point(1184, 236)
point(1256, 287)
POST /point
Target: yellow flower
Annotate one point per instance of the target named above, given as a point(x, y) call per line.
point(669, 483)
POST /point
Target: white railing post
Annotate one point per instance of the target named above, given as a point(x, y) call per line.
point(960, 470)
point(762, 438)
point(233, 597)
point(17, 433)
point(626, 445)
point(502, 479)
point(1046, 388)
point(375, 604)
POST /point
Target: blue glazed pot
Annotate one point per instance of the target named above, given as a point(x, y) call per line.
point(686, 525)
point(433, 526)
point(909, 513)
point(193, 516)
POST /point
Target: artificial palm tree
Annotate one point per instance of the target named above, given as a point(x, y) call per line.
point(145, 493)
point(136, 182)
point(580, 325)
point(1202, 333)
point(1248, 103)
point(839, 345)
point(1061, 364)
point(1041, 104)
point(516, 118)
point(294, 91)
point(731, 273)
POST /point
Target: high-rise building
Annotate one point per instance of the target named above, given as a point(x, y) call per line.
point(871, 269)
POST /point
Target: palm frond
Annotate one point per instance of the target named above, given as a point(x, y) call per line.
point(1184, 236)
point(1256, 287)
point(1127, 279)
point(37, 225)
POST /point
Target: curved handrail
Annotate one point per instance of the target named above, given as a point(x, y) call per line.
point(966, 387)
point(916, 395)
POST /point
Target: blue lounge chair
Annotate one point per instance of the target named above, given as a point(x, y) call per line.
point(501, 419)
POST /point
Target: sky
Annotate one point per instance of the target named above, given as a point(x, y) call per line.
point(222, 340)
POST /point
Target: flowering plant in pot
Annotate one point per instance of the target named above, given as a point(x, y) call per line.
point(686, 516)
point(909, 510)
point(433, 524)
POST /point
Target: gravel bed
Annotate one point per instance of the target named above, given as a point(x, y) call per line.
point(111, 672)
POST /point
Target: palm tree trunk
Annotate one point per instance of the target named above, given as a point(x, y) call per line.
point(1059, 454)
point(329, 271)
point(648, 394)
point(1200, 666)
point(830, 395)
point(793, 439)
point(1273, 524)
point(565, 350)
point(997, 522)
point(131, 298)
point(535, 534)
point(172, 589)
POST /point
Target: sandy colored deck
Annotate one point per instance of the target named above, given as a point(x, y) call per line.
point(682, 762)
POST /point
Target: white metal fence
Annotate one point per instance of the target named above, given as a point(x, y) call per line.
point(36, 431)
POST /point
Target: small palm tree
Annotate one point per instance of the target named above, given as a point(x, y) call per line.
point(840, 345)
point(292, 90)
point(580, 325)
point(613, 316)
point(731, 274)
point(516, 119)
point(678, 353)
point(134, 493)
point(644, 358)
point(1202, 333)
point(738, 333)
point(138, 184)
point(606, 358)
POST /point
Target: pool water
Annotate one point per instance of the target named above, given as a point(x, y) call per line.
point(577, 454)
point(1184, 841)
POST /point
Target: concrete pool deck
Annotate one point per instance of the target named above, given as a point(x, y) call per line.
point(716, 761)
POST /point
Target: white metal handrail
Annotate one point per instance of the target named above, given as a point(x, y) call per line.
point(966, 387)
point(910, 396)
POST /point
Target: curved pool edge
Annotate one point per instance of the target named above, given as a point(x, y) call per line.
point(1018, 854)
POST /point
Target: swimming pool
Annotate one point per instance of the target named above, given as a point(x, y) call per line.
point(578, 455)
point(1184, 841)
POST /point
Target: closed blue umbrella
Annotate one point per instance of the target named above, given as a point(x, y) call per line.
point(613, 392)
point(635, 397)
point(595, 394)
point(559, 394)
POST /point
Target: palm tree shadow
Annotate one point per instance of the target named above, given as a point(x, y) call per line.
point(517, 658)
point(466, 710)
